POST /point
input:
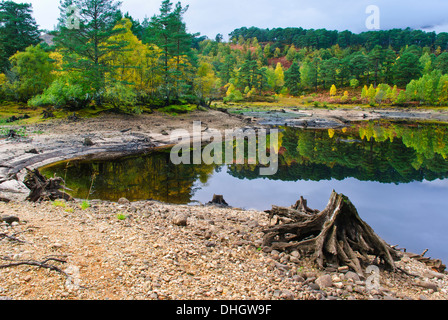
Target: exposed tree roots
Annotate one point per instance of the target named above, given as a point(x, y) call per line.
point(336, 236)
point(43, 189)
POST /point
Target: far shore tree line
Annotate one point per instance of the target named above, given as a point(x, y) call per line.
point(128, 64)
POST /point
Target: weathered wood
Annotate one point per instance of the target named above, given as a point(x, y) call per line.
point(435, 264)
point(43, 189)
point(336, 235)
point(218, 200)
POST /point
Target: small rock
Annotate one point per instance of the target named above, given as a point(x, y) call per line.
point(33, 151)
point(5, 200)
point(10, 219)
point(294, 260)
point(360, 290)
point(343, 269)
point(314, 286)
point(210, 244)
point(298, 278)
point(56, 245)
point(426, 285)
point(338, 285)
point(123, 201)
point(287, 295)
point(335, 278)
point(180, 220)
point(375, 292)
point(88, 142)
point(295, 254)
point(350, 275)
point(208, 234)
point(324, 281)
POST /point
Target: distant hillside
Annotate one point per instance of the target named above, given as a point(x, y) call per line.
point(323, 39)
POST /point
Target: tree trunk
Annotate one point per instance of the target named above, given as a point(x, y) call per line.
point(334, 236)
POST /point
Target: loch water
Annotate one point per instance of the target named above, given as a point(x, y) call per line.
point(395, 173)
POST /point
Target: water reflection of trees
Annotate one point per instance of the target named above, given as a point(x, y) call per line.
point(383, 152)
point(386, 152)
point(136, 178)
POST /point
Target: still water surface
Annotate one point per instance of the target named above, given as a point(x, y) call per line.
point(396, 174)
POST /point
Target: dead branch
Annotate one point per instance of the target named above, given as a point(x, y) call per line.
point(40, 264)
point(12, 238)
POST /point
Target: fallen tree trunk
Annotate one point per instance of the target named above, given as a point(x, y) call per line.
point(334, 236)
point(43, 189)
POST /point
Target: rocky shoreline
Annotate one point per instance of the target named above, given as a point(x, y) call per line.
point(150, 250)
point(153, 251)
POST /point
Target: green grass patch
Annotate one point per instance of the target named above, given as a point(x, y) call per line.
point(121, 216)
point(85, 205)
point(21, 132)
point(178, 109)
point(59, 203)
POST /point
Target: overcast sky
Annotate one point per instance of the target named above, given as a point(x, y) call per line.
point(210, 17)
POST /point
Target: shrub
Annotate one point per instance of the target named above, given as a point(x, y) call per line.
point(122, 98)
point(62, 93)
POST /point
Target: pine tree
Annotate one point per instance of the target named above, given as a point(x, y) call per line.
point(292, 79)
point(18, 30)
point(309, 74)
point(168, 31)
point(87, 48)
point(407, 68)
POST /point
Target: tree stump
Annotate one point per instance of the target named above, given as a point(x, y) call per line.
point(43, 189)
point(334, 236)
point(218, 200)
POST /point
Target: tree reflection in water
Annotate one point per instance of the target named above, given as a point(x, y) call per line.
point(387, 152)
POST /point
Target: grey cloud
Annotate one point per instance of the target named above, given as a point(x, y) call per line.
point(210, 17)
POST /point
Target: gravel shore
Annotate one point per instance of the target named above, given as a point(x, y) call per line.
point(153, 251)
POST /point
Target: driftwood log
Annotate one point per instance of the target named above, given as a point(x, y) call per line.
point(434, 264)
point(335, 236)
point(43, 189)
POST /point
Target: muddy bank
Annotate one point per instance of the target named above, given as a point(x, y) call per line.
point(327, 118)
point(105, 137)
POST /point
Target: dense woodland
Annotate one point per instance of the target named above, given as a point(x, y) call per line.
point(113, 59)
